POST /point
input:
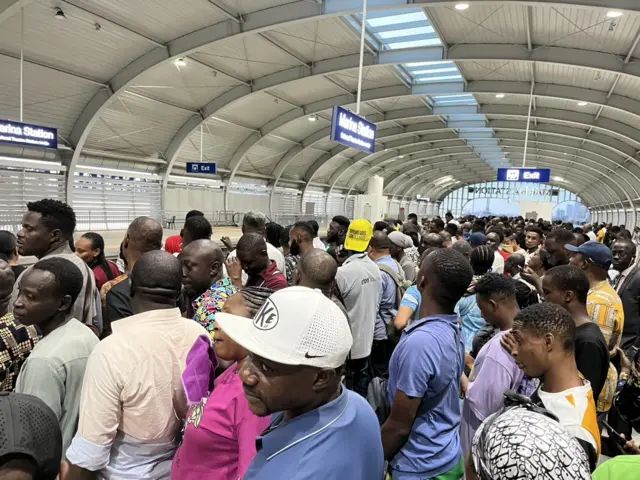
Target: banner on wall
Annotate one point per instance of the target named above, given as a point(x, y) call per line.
point(28, 135)
point(352, 130)
point(528, 175)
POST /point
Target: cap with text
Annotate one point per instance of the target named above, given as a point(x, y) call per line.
point(295, 326)
point(358, 236)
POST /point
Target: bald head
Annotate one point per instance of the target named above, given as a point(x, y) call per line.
point(143, 235)
point(430, 240)
point(156, 281)
point(514, 264)
point(202, 262)
point(317, 269)
point(463, 247)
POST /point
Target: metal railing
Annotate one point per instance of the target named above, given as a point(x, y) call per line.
point(172, 220)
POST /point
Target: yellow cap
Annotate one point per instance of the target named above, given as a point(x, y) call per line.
point(358, 236)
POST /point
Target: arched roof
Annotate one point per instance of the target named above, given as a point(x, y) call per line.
point(152, 84)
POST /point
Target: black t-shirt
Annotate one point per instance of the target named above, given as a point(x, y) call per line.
point(592, 356)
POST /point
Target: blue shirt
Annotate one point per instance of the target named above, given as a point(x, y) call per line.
point(338, 440)
point(427, 363)
point(388, 302)
point(412, 299)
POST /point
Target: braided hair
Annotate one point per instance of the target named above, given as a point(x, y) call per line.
point(254, 298)
point(482, 258)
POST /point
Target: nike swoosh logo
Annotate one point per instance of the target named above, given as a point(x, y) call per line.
point(306, 355)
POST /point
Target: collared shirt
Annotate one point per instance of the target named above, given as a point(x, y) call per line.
point(317, 243)
point(604, 307)
point(270, 277)
point(210, 302)
point(55, 370)
point(133, 403)
point(358, 281)
point(388, 302)
point(529, 255)
point(16, 343)
point(620, 278)
point(339, 440)
point(85, 308)
point(427, 363)
point(290, 263)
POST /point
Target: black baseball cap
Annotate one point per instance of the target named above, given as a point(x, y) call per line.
point(30, 428)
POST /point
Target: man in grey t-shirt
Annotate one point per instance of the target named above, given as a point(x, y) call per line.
point(55, 369)
point(358, 282)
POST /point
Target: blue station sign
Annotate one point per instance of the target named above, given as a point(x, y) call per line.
point(27, 135)
point(528, 175)
point(352, 130)
point(198, 167)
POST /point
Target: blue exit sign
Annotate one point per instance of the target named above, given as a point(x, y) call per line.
point(529, 175)
point(197, 167)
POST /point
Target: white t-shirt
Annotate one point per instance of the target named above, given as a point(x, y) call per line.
point(576, 410)
point(498, 264)
point(592, 236)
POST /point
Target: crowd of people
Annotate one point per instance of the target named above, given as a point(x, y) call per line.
point(485, 348)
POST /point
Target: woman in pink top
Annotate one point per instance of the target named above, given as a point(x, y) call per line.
point(220, 432)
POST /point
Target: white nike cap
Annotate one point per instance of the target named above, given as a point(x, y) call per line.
point(295, 326)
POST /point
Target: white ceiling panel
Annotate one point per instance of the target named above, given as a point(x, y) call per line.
point(301, 129)
point(481, 23)
point(248, 57)
point(318, 40)
point(73, 44)
point(620, 116)
point(301, 163)
point(192, 86)
point(135, 125)
point(308, 90)
point(162, 20)
point(574, 76)
point(220, 141)
point(398, 103)
point(253, 110)
point(628, 87)
point(496, 70)
point(50, 98)
point(583, 28)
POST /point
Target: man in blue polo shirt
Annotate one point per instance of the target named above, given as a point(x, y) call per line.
point(421, 437)
point(298, 343)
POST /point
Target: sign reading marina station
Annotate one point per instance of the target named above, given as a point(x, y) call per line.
point(352, 130)
point(27, 135)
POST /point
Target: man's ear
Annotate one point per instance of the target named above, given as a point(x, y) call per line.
point(494, 305)
point(569, 296)
point(65, 304)
point(548, 341)
point(324, 378)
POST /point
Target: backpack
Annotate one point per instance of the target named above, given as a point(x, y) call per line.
point(402, 286)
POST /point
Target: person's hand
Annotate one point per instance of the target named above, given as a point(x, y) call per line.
point(625, 363)
point(508, 342)
point(234, 269)
point(227, 243)
point(631, 446)
point(464, 385)
point(528, 275)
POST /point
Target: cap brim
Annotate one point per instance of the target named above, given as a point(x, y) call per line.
point(242, 331)
point(572, 248)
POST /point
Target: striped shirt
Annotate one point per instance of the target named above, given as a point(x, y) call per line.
point(604, 307)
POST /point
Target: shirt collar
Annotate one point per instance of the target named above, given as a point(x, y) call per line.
point(354, 257)
point(152, 316)
point(304, 427)
point(268, 272)
point(383, 258)
point(627, 271)
point(445, 318)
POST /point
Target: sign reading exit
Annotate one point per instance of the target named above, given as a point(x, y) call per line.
point(529, 175)
point(197, 167)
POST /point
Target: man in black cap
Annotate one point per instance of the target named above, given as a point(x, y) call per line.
point(31, 445)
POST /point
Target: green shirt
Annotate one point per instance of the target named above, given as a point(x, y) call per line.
point(623, 467)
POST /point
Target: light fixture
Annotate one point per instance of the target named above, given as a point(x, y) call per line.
point(180, 62)
point(462, 6)
point(582, 104)
point(60, 14)
point(313, 118)
point(401, 156)
point(500, 95)
point(614, 14)
point(558, 179)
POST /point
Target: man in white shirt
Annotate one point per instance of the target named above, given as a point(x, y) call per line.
point(255, 222)
point(133, 402)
